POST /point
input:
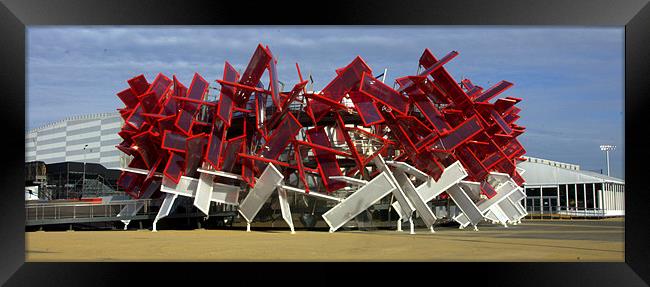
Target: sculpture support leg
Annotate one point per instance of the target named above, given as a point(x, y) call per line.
point(285, 209)
point(165, 208)
point(399, 225)
point(411, 223)
point(126, 223)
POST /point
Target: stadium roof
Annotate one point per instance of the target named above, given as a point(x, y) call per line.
point(545, 172)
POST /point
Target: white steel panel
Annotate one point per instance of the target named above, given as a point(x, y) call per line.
point(285, 209)
point(452, 174)
point(405, 167)
point(499, 214)
point(263, 189)
point(186, 186)
point(359, 201)
point(509, 210)
point(462, 220)
point(405, 206)
point(223, 193)
point(311, 193)
point(219, 173)
point(418, 202)
point(203, 193)
point(165, 208)
point(472, 188)
point(350, 180)
point(503, 192)
point(465, 204)
point(145, 172)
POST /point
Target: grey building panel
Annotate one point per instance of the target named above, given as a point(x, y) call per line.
point(106, 154)
point(54, 160)
point(81, 121)
point(111, 120)
point(50, 141)
point(112, 142)
point(83, 141)
point(83, 131)
point(80, 152)
point(51, 131)
point(99, 122)
point(112, 131)
point(49, 151)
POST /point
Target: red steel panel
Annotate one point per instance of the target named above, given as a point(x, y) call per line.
point(327, 164)
point(226, 99)
point(383, 93)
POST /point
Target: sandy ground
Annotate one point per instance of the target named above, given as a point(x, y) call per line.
point(531, 241)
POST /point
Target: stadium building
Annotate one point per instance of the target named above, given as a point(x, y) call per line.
point(88, 138)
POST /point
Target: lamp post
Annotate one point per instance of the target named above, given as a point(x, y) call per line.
point(83, 180)
point(606, 148)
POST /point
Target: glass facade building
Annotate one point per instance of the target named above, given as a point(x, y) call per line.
point(556, 188)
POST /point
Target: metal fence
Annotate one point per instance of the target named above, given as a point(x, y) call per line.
point(561, 212)
point(48, 213)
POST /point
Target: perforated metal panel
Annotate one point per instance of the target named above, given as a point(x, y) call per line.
point(223, 193)
point(203, 193)
point(405, 206)
point(263, 189)
point(466, 205)
point(359, 201)
point(420, 204)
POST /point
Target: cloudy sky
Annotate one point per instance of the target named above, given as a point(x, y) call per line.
point(570, 79)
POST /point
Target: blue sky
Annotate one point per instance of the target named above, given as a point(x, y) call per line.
point(571, 79)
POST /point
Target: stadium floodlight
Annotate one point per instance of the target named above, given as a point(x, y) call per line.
point(606, 148)
point(83, 180)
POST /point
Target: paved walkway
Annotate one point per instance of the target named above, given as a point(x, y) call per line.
point(532, 241)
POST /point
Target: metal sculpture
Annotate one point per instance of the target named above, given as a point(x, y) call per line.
point(429, 137)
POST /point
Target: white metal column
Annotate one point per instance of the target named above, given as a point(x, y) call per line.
point(566, 194)
point(623, 197)
point(600, 198)
point(593, 194)
point(557, 203)
point(575, 195)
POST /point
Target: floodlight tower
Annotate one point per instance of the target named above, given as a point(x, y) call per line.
point(606, 148)
point(83, 180)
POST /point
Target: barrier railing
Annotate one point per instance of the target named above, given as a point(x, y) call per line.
point(561, 212)
point(43, 212)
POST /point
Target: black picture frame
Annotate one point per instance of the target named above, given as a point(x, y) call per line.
point(15, 15)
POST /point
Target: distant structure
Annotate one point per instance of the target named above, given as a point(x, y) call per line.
point(556, 188)
point(64, 141)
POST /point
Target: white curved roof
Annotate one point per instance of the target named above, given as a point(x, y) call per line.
point(537, 173)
